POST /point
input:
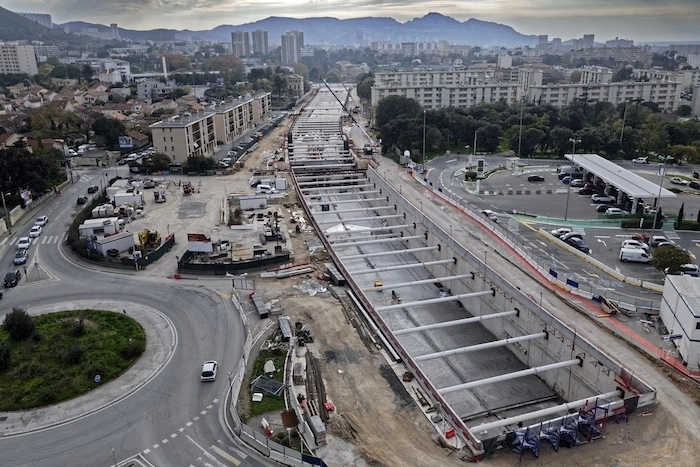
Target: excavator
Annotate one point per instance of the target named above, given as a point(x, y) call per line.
point(149, 239)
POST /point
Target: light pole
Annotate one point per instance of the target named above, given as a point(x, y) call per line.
point(658, 201)
point(568, 191)
point(423, 161)
point(476, 132)
point(8, 219)
point(520, 135)
point(624, 117)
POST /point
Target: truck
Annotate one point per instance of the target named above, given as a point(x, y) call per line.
point(133, 198)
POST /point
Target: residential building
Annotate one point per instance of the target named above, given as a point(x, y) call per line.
point(191, 135)
point(595, 74)
point(680, 314)
point(295, 85)
point(617, 42)
point(39, 18)
point(115, 31)
point(105, 64)
point(16, 58)
point(152, 89)
point(46, 50)
point(292, 42)
point(642, 55)
point(261, 45)
point(240, 43)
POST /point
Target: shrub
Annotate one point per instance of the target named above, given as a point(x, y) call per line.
point(133, 349)
point(74, 355)
point(5, 356)
point(18, 324)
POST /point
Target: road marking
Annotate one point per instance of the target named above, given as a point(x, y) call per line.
point(591, 274)
point(195, 418)
point(603, 242)
point(181, 430)
point(602, 236)
point(225, 455)
point(3, 241)
point(156, 446)
point(174, 435)
point(209, 407)
point(165, 441)
point(206, 453)
point(203, 412)
point(188, 423)
point(216, 401)
point(146, 451)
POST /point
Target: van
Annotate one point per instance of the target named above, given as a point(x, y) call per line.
point(569, 171)
point(265, 189)
point(635, 255)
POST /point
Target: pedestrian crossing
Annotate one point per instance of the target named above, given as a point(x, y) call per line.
point(43, 240)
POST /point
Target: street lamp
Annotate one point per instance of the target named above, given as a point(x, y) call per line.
point(423, 161)
point(8, 219)
point(568, 192)
point(658, 200)
point(520, 134)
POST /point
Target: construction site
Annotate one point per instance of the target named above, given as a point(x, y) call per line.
point(487, 365)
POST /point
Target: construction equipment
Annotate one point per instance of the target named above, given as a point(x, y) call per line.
point(149, 239)
point(187, 188)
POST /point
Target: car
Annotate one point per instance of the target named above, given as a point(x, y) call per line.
point(535, 178)
point(93, 189)
point(490, 214)
point(694, 185)
point(665, 244)
point(41, 220)
point(587, 191)
point(684, 270)
point(601, 208)
point(635, 244)
point(209, 369)
point(590, 185)
point(566, 179)
point(82, 199)
point(577, 182)
point(569, 235)
point(123, 162)
point(561, 231)
point(23, 243)
point(21, 256)
point(579, 244)
point(640, 160)
point(606, 199)
point(616, 212)
point(679, 181)
point(12, 278)
point(657, 239)
point(35, 231)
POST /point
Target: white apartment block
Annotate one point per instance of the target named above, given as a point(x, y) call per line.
point(17, 58)
point(104, 65)
point(466, 88)
point(191, 135)
point(412, 49)
point(687, 78)
point(619, 54)
point(595, 74)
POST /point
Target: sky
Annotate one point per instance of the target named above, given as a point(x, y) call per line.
point(640, 20)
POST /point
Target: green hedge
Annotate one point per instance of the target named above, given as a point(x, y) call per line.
point(687, 225)
point(647, 224)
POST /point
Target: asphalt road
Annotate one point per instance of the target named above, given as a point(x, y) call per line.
point(174, 419)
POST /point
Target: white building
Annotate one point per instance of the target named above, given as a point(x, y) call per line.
point(292, 42)
point(16, 58)
point(680, 313)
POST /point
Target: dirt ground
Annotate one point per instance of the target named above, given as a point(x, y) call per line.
point(376, 423)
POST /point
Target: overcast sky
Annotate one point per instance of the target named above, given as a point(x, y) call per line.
point(641, 20)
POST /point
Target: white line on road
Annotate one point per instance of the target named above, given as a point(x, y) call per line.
point(226, 455)
point(206, 453)
point(146, 451)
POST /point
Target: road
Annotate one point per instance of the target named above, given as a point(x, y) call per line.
point(174, 419)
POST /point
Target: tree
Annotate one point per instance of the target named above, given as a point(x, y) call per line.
point(199, 164)
point(396, 107)
point(5, 356)
point(364, 88)
point(279, 84)
point(18, 324)
point(684, 110)
point(110, 129)
point(156, 162)
point(670, 258)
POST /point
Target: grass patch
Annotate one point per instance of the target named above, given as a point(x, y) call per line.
point(65, 353)
point(269, 403)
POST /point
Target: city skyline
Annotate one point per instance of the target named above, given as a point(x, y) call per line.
point(640, 20)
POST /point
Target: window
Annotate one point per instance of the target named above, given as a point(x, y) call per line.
point(697, 325)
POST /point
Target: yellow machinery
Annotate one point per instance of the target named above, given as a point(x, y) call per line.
point(149, 239)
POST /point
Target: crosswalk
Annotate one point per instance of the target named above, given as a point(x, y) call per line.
point(43, 240)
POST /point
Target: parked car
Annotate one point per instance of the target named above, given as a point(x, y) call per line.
point(490, 214)
point(684, 270)
point(23, 243)
point(569, 235)
point(535, 178)
point(590, 185)
point(694, 185)
point(657, 239)
point(640, 160)
point(579, 244)
point(12, 278)
point(209, 371)
point(601, 208)
point(566, 180)
point(587, 191)
point(41, 220)
point(635, 244)
point(561, 231)
point(679, 181)
point(82, 199)
point(616, 212)
point(636, 255)
point(21, 256)
point(35, 231)
point(93, 189)
point(577, 182)
point(606, 199)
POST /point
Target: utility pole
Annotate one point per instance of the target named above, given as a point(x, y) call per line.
point(8, 219)
point(423, 161)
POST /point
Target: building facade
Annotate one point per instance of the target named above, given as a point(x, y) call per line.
point(192, 135)
point(240, 44)
point(292, 42)
point(39, 18)
point(17, 58)
point(680, 313)
point(261, 45)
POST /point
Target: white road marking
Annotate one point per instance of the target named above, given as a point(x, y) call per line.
point(206, 453)
point(209, 407)
point(203, 412)
point(195, 418)
point(4, 240)
point(146, 451)
point(188, 423)
point(174, 435)
point(226, 455)
point(156, 446)
point(216, 401)
point(181, 430)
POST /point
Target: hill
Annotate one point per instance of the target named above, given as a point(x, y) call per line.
point(14, 27)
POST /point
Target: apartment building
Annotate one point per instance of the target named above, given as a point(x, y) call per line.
point(687, 78)
point(200, 134)
point(620, 54)
point(261, 45)
point(292, 43)
point(595, 75)
point(240, 43)
point(17, 58)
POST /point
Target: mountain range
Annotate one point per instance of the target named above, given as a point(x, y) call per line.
point(333, 31)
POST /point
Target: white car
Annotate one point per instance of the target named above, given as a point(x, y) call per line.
point(635, 244)
point(640, 160)
point(616, 212)
point(35, 231)
point(209, 370)
point(561, 231)
point(490, 214)
point(679, 181)
point(23, 243)
point(41, 221)
point(602, 199)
